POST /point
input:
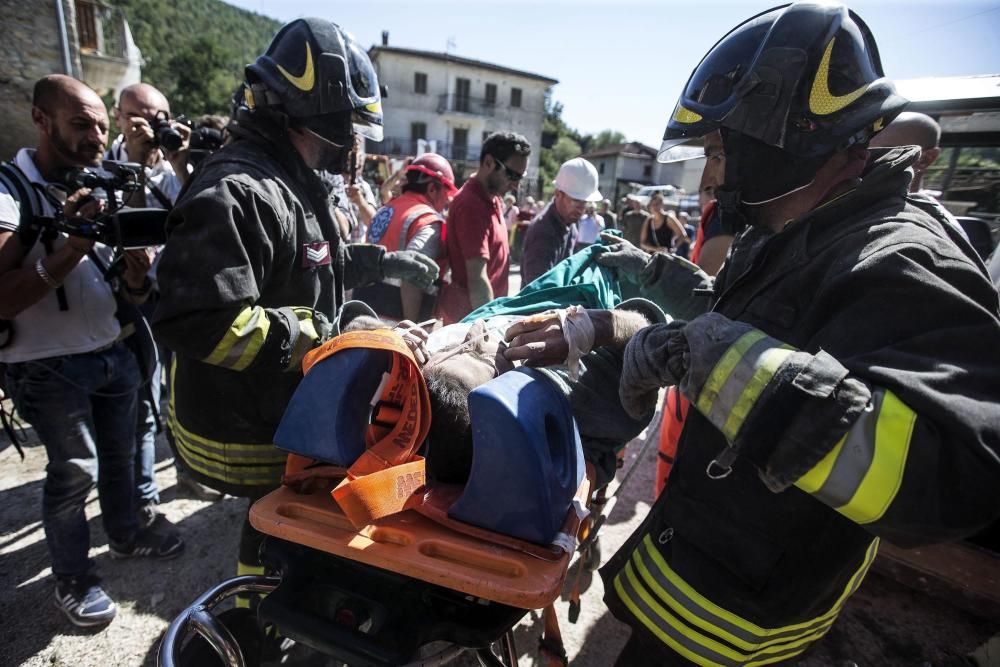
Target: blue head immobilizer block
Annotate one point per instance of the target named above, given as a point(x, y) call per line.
point(329, 412)
point(527, 461)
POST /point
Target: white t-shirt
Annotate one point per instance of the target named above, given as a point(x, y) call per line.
point(590, 227)
point(42, 330)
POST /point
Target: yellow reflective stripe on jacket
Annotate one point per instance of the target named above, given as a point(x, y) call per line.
point(862, 474)
point(739, 378)
point(243, 340)
point(704, 632)
point(307, 338)
point(233, 463)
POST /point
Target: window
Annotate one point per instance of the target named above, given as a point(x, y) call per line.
point(417, 131)
point(647, 170)
point(460, 143)
point(462, 90)
point(419, 83)
point(600, 167)
point(515, 97)
point(491, 94)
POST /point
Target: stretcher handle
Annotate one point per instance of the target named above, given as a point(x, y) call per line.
point(199, 617)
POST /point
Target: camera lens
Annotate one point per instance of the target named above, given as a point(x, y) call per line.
point(167, 136)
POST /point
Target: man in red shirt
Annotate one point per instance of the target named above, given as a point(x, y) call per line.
point(476, 237)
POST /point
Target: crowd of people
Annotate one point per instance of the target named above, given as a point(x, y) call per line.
point(831, 341)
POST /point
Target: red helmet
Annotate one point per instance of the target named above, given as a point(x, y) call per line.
point(434, 166)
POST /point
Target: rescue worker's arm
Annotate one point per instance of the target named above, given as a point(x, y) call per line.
point(897, 427)
point(427, 240)
point(480, 289)
point(222, 243)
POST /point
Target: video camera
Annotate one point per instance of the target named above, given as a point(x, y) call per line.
point(120, 227)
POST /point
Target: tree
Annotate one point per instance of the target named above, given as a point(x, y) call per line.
point(605, 138)
point(560, 142)
point(204, 84)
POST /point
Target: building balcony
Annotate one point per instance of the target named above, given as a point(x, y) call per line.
point(406, 147)
point(463, 104)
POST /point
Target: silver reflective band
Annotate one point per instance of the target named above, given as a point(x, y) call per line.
point(45, 275)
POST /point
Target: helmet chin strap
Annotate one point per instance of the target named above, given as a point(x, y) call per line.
point(757, 174)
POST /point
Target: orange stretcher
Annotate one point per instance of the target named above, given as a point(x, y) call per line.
point(411, 544)
point(373, 568)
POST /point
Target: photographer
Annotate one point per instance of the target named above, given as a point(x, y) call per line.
point(66, 371)
point(152, 139)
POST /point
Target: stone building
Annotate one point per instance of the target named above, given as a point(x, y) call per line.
point(447, 104)
point(82, 38)
point(621, 168)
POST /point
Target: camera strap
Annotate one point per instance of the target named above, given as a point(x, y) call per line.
point(30, 199)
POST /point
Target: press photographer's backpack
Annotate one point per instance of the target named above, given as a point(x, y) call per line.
point(30, 200)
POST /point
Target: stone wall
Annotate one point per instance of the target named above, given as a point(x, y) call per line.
point(29, 49)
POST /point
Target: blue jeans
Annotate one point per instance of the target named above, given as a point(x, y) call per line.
point(83, 409)
point(145, 441)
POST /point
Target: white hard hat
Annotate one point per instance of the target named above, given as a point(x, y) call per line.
point(578, 179)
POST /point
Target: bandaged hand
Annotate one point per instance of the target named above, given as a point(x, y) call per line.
point(415, 337)
point(617, 253)
point(536, 340)
point(657, 356)
point(410, 266)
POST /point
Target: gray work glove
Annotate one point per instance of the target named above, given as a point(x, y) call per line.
point(617, 253)
point(410, 266)
point(655, 357)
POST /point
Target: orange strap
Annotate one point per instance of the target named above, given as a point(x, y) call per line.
point(389, 476)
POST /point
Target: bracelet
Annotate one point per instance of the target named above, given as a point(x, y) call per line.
point(45, 275)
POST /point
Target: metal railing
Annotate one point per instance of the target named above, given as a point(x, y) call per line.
point(476, 106)
point(404, 147)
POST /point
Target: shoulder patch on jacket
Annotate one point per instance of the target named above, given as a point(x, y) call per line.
point(315, 254)
point(380, 224)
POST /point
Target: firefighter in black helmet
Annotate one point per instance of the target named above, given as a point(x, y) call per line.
point(844, 383)
point(254, 272)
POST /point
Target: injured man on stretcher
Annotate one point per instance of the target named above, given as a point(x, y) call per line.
point(585, 366)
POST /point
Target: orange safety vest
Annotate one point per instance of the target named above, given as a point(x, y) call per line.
point(675, 408)
point(399, 220)
point(389, 476)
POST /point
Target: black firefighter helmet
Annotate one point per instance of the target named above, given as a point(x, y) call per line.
point(787, 88)
point(318, 76)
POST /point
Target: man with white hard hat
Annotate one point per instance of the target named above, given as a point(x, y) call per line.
point(551, 238)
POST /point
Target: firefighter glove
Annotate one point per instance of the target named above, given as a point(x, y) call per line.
point(413, 267)
point(655, 357)
point(617, 253)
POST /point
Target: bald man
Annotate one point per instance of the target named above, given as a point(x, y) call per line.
point(139, 108)
point(67, 372)
point(916, 129)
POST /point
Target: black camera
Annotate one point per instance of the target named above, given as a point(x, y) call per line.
point(165, 133)
point(120, 227)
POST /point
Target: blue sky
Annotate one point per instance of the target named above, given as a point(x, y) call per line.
point(621, 65)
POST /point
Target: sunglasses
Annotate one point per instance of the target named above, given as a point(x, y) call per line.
point(511, 174)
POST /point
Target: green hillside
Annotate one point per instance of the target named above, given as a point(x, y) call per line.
point(195, 50)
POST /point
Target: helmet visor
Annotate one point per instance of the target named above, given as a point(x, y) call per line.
point(714, 88)
point(676, 150)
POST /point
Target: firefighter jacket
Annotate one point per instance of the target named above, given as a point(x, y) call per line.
point(252, 273)
point(859, 402)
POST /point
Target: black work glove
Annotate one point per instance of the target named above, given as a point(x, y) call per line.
point(411, 266)
point(655, 357)
point(617, 253)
